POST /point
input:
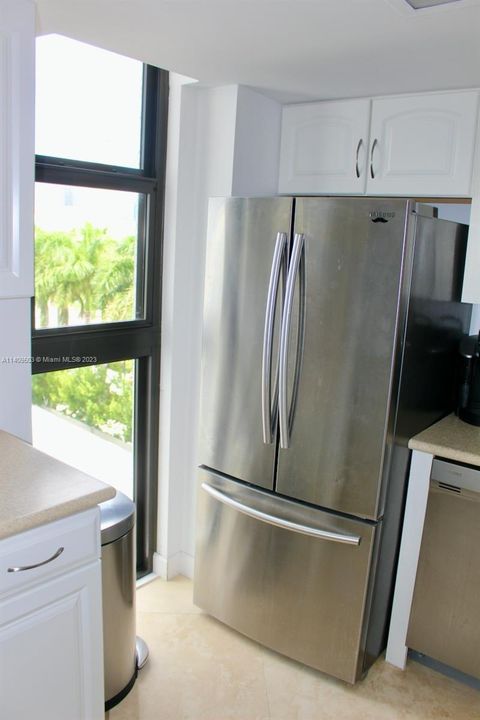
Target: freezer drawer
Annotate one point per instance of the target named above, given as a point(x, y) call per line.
point(291, 577)
point(444, 618)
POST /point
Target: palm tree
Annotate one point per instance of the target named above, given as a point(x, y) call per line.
point(89, 269)
point(118, 281)
point(85, 267)
point(85, 284)
point(54, 255)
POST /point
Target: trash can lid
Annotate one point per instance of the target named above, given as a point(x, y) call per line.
point(117, 517)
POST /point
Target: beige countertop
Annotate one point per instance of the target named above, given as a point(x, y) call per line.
point(36, 489)
point(450, 438)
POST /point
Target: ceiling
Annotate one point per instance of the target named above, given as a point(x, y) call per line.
point(292, 49)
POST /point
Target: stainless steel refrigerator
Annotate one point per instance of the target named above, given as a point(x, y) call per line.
point(329, 338)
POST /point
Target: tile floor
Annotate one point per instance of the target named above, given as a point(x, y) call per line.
point(201, 670)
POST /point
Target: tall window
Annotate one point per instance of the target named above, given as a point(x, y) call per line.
point(100, 142)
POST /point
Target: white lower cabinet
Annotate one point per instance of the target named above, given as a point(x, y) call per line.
point(51, 650)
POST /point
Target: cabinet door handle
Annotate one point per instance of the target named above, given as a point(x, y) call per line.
point(374, 145)
point(21, 568)
point(357, 169)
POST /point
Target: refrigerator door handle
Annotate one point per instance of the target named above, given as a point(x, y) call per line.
point(280, 522)
point(297, 268)
point(269, 408)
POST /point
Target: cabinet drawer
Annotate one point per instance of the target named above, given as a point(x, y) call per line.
point(52, 548)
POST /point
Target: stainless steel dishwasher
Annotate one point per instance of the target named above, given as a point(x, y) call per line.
point(444, 622)
point(124, 653)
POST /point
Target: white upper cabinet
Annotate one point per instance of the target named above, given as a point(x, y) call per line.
point(17, 101)
point(324, 147)
point(413, 145)
point(422, 144)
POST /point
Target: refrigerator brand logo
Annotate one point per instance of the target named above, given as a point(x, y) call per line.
point(382, 217)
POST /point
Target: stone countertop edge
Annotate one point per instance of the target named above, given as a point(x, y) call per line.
point(35, 488)
point(450, 438)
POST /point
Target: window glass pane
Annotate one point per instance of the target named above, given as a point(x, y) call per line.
point(88, 247)
point(88, 103)
point(84, 417)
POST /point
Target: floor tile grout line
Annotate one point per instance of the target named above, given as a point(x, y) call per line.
point(285, 680)
point(263, 655)
point(167, 612)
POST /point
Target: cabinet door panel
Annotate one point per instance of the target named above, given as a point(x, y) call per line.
point(51, 665)
point(17, 94)
point(422, 144)
point(324, 147)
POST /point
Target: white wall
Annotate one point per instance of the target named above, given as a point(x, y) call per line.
point(15, 368)
point(471, 282)
point(257, 144)
point(200, 156)
point(222, 141)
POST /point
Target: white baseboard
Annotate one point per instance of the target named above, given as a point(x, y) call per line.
point(179, 564)
point(146, 579)
point(160, 565)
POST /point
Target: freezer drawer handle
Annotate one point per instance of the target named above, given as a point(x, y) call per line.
point(21, 568)
point(297, 268)
point(269, 408)
point(280, 522)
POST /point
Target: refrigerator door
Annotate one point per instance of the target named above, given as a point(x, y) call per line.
point(244, 286)
point(354, 255)
point(291, 577)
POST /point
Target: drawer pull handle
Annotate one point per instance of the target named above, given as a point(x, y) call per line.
point(44, 562)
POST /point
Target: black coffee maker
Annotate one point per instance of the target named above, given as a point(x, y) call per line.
point(468, 408)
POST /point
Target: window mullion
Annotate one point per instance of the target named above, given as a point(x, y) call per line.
point(84, 177)
point(67, 350)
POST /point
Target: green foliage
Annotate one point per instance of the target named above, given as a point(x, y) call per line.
point(98, 395)
point(88, 277)
point(84, 271)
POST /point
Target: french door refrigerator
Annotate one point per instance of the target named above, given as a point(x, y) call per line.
point(330, 331)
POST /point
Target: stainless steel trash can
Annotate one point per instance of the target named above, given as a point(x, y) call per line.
point(118, 587)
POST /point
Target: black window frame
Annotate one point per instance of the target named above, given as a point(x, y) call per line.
point(137, 339)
